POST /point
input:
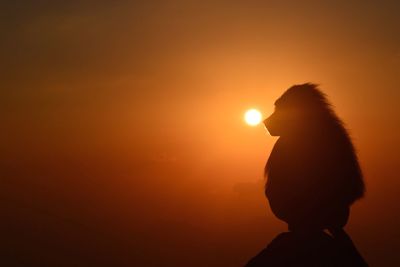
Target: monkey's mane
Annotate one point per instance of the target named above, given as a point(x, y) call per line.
point(309, 98)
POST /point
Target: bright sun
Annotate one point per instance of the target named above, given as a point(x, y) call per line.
point(252, 117)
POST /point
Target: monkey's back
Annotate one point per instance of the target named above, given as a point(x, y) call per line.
point(312, 181)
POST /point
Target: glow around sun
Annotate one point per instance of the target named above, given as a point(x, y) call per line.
point(253, 117)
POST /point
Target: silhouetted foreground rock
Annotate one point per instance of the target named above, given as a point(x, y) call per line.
point(309, 249)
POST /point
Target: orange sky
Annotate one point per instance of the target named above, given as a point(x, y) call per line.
point(122, 129)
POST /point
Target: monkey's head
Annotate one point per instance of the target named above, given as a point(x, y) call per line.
point(298, 110)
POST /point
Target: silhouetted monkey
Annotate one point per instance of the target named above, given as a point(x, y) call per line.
point(313, 177)
point(313, 174)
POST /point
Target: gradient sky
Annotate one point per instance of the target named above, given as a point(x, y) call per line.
point(122, 137)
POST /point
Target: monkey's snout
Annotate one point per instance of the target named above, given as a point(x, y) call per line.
point(269, 126)
point(266, 123)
